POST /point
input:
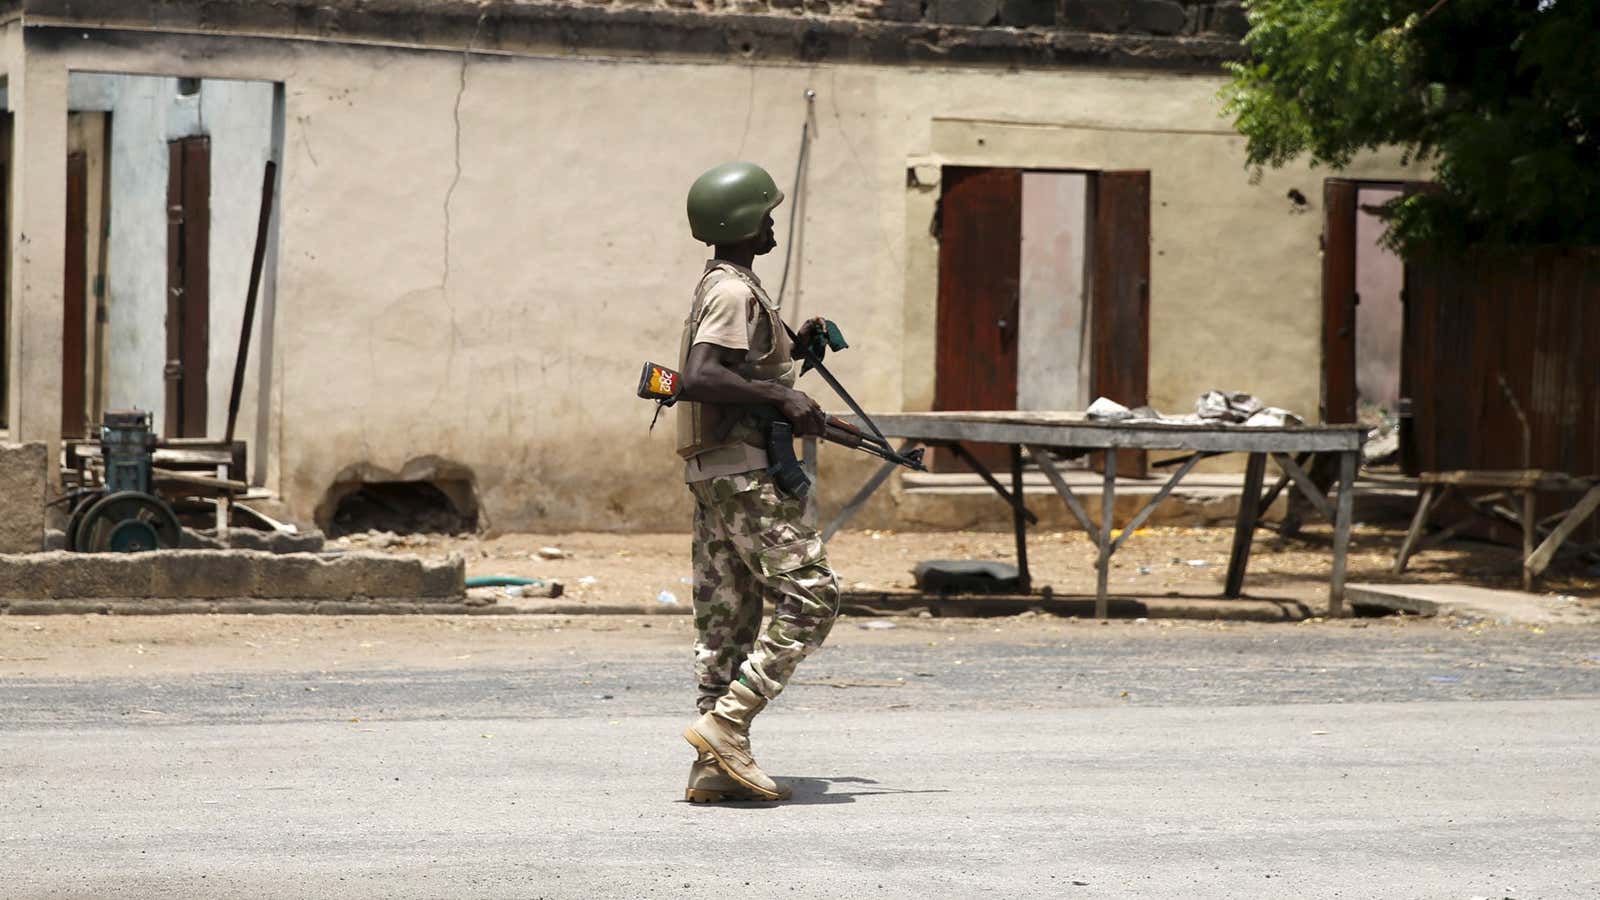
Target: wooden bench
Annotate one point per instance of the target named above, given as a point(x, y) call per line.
point(1504, 495)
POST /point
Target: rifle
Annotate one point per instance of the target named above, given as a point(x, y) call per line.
point(661, 384)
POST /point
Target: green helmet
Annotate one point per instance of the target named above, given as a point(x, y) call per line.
point(727, 203)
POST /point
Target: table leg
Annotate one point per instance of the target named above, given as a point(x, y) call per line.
point(808, 462)
point(1574, 517)
point(1244, 529)
point(1341, 530)
point(1108, 508)
point(1530, 529)
point(1418, 522)
point(1019, 524)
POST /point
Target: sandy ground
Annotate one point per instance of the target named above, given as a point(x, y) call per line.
point(1155, 562)
point(92, 646)
point(638, 568)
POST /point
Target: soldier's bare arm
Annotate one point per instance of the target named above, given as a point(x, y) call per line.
point(709, 377)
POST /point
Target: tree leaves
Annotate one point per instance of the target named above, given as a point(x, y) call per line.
point(1501, 96)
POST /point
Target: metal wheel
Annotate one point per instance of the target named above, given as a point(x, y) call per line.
point(128, 522)
point(75, 521)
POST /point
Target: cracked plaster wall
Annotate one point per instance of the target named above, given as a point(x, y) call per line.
point(510, 340)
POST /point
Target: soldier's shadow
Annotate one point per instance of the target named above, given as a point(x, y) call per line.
point(816, 791)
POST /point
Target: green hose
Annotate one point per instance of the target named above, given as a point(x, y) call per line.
point(502, 581)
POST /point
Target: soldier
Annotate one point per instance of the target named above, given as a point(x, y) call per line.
point(751, 543)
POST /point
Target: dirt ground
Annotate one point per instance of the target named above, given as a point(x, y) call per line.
point(612, 568)
point(96, 646)
point(1155, 562)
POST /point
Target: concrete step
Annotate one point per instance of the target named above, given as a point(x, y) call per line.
point(1472, 602)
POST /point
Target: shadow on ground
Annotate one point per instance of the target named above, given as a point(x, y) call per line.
point(823, 791)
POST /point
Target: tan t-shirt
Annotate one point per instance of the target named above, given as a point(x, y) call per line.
point(727, 320)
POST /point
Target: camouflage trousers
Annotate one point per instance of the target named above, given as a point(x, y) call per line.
point(751, 546)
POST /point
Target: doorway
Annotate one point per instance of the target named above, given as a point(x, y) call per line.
point(171, 250)
point(1043, 294)
point(83, 285)
point(1363, 313)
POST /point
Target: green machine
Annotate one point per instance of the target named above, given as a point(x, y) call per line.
point(123, 516)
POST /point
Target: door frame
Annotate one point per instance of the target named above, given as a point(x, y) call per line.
point(1117, 314)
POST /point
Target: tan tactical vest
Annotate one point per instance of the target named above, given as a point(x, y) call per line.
point(709, 426)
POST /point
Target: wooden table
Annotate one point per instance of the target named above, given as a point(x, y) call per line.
point(1039, 432)
point(1489, 493)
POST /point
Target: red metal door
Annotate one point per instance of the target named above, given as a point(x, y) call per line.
point(1120, 314)
point(188, 286)
point(980, 263)
point(74, 300)
point(1339, 301)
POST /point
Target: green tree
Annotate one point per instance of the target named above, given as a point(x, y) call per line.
point(1500, 97)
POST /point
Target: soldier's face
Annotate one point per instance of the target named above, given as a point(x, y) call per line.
point(767, 240)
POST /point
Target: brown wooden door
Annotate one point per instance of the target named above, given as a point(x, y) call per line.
point(75, 300)
point(1120, 312)
point(188, 281)
point(1339, 300)
point(5, 258)
point(980, 262)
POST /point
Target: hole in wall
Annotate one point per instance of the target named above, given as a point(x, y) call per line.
point(428, 496)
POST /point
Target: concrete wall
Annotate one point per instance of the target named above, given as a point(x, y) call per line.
point(478, 251)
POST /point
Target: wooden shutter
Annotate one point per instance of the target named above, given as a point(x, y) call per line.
point(1339, 301)
point(74, 299)
point(1120, 313)
point(188, 286)
point(980, 267)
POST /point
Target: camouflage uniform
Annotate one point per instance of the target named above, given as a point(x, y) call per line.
point(751, 544)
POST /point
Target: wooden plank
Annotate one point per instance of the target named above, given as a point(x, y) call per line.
point(1339, 300)
point(1419, 521)
point(172, 374)
point(1149, 508)
point(980, 270)
point(1019, 524)
point(196, 283)
point(977, 465)
point(75, 300)
point(1303, 481)
point(1495, 478)
point(1108, 514)
point(1041, 458)
point(182, 457)
point(1540, 559)
point(1119, 335)
point(190, 479)
point(937, 428)
point(1278, 486)
point(1244, 529)
point(5, 263)
point(1341, 531)
point(808, 464)
point(1530, 526)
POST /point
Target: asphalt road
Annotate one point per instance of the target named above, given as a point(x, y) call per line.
point(1299, 762)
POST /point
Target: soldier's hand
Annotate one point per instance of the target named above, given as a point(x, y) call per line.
point(803, 413)
point(808, 334)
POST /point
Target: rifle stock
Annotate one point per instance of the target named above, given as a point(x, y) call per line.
point(661, 384)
